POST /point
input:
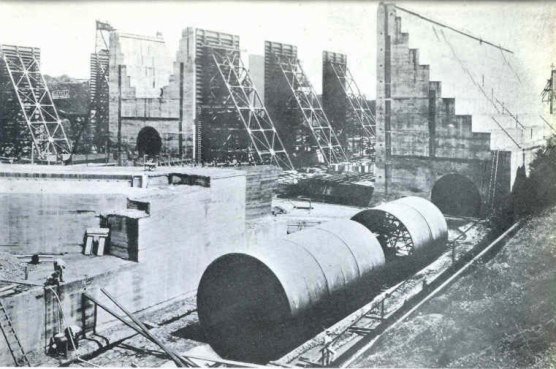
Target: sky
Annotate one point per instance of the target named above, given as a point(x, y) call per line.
point(65, 31)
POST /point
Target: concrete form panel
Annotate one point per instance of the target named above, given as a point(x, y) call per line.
point(278, 94)
point(302, 122)
point(334, 100)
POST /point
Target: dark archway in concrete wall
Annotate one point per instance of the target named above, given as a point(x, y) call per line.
point(149, 141)
point(455, 194)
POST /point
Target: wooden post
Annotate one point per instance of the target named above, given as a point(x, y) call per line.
point(120, 115)
point(180, 127)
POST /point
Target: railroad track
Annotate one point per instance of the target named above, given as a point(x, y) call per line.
point(358, 332)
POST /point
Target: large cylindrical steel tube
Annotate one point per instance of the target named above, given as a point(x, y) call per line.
point(433, 215)
point(246, 300)
point(421, 219)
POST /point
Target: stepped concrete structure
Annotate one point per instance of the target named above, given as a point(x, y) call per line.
point(166, 226)
point(144, 92)
point(423, 148)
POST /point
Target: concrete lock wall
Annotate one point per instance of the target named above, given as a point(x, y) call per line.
point(51, 214)
point(46, 223)
point(47, 213)
point(186, 68)
point(187, 227)
point(419, 136)
point(34, 313)
point(148, 93)
point(418, 176)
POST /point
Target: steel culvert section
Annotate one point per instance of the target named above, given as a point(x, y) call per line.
point(433, 215)
point(245, 300)
point(406, 225)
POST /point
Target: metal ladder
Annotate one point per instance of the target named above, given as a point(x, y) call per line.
point(14, 345)
point(493, 179)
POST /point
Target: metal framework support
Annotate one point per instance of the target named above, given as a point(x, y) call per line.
point(324, 138)
point(394, 237)
point(99, 91)
point(360, 121)
point(548, 124)
point(22, 66)
point(240, 98)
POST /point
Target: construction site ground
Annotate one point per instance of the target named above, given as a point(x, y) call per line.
point(502, 314)
point(177, 325)
point(174, 322)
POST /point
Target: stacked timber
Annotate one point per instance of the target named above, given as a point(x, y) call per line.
point(261, 183)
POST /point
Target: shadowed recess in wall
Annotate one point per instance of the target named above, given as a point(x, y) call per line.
point(456, 195)
point(149, 141)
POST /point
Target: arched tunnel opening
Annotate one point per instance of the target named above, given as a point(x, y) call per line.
point(456, 195)
point(149, 142)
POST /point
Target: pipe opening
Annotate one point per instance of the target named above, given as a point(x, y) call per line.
point(391, 233)
point(455, 194)
point(149, 142)
point(242, 308)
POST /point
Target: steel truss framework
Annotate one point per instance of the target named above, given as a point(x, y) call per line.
point(38, 113)
point(360, 119)
point(394, 236)
point(233, 94)
point(99, 91)
point(324, 137)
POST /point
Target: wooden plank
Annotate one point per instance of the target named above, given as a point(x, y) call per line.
point(8, 287)
point(130, 325)
point(179, 361)
point(19, 281)
point(232, 363)
point(88, 246)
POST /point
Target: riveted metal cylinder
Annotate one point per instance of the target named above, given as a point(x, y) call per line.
point(412, 221)
point(433, 215)
point(244, 299)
